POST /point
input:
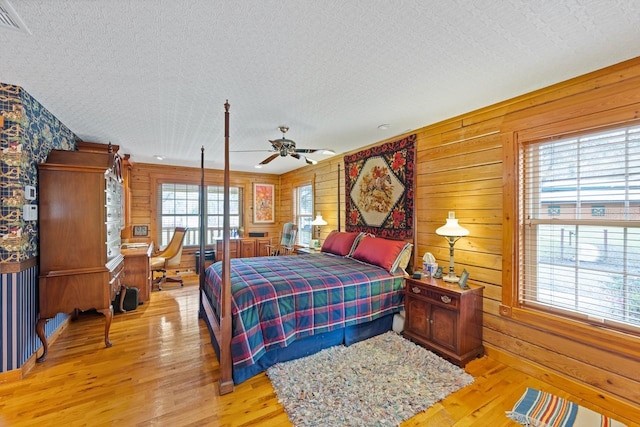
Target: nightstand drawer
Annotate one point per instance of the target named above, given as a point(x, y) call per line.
point(434, 295)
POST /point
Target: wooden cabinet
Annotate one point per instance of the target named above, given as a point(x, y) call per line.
point(261, 246)
point(81, 215)
point(444, 318)
point(244, 248)
point(247, 248)
point(137, 270)
point(233, 249)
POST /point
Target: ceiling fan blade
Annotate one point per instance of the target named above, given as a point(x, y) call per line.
point(315, 150)
point(309, 161)
point(276, 143)
point(251, 151)
point(268, 159)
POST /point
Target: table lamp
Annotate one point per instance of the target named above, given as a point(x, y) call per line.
point(452, 231)
point(318, 222)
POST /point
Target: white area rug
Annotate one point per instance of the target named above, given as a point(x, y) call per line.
point(378, 382)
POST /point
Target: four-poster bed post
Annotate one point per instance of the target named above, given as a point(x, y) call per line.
point(226, 376)
point(338, 196)
point(203, 227)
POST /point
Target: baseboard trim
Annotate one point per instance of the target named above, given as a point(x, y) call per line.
point(608, 404)
point(19, 374)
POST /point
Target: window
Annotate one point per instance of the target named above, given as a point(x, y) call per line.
point(580, 233)
point(215, 212)
point(303, 213)
point(179, 206)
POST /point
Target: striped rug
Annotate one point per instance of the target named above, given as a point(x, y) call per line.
point(540, 409)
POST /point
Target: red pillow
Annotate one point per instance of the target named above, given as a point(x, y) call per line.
point(339, 242)
point(379, 251)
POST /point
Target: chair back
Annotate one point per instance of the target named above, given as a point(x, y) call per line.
point(173, 252)
point(289, 231)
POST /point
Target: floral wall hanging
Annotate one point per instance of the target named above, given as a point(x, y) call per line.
point(379, 189)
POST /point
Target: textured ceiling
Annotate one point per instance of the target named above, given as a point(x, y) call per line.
point(153, 75)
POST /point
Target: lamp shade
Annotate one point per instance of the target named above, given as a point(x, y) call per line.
point(319, 220)
point(452, 228)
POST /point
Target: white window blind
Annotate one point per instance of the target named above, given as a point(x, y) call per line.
point(581, 220)
point(303, 213)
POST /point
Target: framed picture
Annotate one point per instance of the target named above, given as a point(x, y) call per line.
point(438, 273)
point(140, 230)
point(463, 279)
point(263, 203)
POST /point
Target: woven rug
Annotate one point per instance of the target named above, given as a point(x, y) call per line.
point(540, 409)
point(378, 382)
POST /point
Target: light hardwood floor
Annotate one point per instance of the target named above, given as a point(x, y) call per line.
point(162, 371)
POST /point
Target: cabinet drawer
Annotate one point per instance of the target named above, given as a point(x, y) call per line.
point(433, 295)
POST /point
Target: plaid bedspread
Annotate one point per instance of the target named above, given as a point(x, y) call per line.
point(276, 300)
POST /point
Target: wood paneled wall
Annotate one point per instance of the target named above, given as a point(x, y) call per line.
point(461, 167)
point(144, 179)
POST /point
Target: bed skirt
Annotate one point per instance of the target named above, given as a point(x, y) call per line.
point(306, 346)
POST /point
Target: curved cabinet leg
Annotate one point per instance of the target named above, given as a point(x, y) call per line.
point(108, 315)
point(123, 291)
point(43, 338)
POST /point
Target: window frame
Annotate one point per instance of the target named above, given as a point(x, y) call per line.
point(163, 235)
point(233, 225)
point(300, 240)
point(570, 242)
point(158, 181)
point(594, 333)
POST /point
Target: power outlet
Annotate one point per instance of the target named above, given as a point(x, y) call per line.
point(30, 212)
point(29, 192)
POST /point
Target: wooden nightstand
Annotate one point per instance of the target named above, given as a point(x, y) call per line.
point(444, 318)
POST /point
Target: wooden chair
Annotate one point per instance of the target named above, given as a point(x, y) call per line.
point(168, 258)
point(287, 241)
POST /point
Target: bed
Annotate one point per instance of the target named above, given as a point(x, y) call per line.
point(265, 310)
point(286, 307)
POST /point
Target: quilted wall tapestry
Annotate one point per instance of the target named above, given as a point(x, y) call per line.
point(379, 189)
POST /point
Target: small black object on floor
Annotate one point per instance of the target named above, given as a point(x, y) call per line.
point(130, 302)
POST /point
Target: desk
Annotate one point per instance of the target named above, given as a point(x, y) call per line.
point(136, 269)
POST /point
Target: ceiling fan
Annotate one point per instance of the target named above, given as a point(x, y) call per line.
point(283, 147)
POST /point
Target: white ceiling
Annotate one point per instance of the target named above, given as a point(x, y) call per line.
point(153, 75)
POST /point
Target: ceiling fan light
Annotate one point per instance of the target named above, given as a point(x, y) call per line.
point(258, 166)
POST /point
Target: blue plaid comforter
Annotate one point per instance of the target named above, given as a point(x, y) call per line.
point(276, 300)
